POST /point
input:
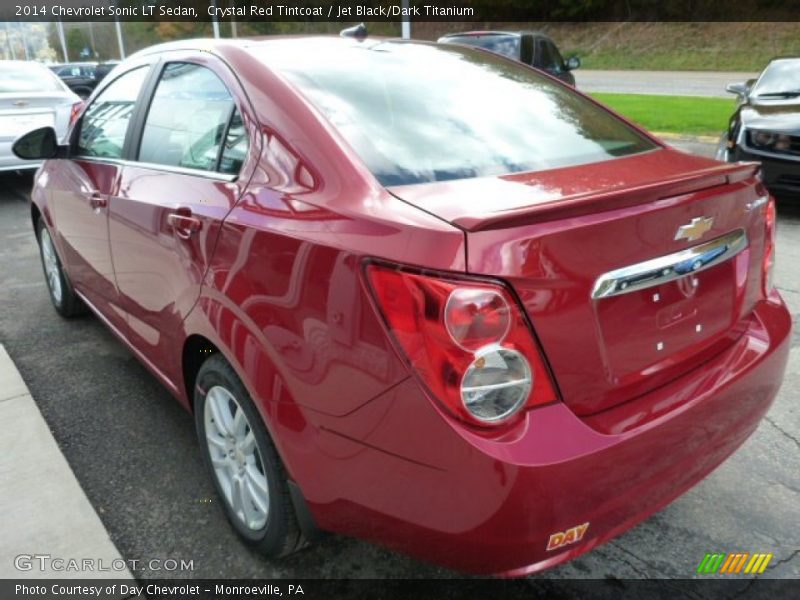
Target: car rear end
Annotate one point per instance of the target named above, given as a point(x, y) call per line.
point(31, 96)
point(614, 336)
point(621, 366)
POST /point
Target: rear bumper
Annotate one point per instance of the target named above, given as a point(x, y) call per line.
point(407, 476)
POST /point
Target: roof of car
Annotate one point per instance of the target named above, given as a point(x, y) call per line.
point(225, 45)
point(490, 32)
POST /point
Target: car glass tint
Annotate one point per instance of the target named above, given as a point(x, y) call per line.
point(419, 113)
point(507, 45)
point(558, 60)
point(781, 76)
point(105, 122)
point(544, 56)
point(27, 78)
point(234, 150)
point(187, 118)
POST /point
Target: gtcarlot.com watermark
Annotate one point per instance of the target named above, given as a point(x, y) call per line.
point(58, 564)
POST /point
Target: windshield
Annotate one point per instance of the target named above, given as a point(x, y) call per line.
point(507, 45)
point(419, 113)
point(781, 76)
point(29, 77)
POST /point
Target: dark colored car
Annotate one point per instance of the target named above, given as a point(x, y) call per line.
point(529, 47)
point(766, 126)
point(79, 77)
point(82, 78)
point(416, 293)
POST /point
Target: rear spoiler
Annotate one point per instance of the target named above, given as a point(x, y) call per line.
point(611, 199)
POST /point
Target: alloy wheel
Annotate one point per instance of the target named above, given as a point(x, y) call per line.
point(235, 458)
point(51, 267)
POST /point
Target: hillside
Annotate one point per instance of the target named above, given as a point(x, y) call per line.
point(656, 46)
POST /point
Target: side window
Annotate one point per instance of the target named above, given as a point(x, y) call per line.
point(544, 57)
point(187, 119)
point(234, 150)
point(105, 122)
point(558, 61)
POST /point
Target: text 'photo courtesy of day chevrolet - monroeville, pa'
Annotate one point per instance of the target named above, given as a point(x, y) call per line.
point(411, 299)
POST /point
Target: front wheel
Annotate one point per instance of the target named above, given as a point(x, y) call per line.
point(65, 300)
point(247, 472)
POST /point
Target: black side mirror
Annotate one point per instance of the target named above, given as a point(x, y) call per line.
point(573, 62)
point(39, 144)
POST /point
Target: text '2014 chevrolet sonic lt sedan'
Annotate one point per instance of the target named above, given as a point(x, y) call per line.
point(416, 293)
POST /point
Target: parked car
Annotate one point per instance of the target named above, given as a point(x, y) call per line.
point(31, 97)
point(766, 126)
point(530, 47)
point(416, 293)
point(80, 77)
point(104, 68)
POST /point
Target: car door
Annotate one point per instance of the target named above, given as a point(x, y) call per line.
point(81, 186)
point(188, 166)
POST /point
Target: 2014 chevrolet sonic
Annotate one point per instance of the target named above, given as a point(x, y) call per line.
point(416, 293)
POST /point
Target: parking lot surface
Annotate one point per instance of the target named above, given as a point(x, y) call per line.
point(133, 451)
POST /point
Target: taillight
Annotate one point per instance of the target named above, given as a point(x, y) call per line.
point(770, 215)
point(467, 339)
point(75, 112)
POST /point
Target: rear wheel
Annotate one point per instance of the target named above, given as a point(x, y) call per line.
point(247, 472)
point(65, 300)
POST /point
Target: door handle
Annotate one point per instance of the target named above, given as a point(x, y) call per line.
point(97, 200)
point(183, 223)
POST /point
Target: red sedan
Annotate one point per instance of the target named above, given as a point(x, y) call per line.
point(416, 293)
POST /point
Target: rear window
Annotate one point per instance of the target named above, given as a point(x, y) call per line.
point(507, 45)
point(419, 113)
point(27, 78)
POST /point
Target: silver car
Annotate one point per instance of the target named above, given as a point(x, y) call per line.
point(31, 96)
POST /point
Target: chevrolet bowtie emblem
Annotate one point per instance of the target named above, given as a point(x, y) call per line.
point(695, 229)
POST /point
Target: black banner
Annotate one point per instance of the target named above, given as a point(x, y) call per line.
point(357, 589)
point(347, 11)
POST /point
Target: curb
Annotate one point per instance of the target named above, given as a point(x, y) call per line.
point(682, 137)
point(46, 514)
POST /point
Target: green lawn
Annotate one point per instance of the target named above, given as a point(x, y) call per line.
point(672, 114)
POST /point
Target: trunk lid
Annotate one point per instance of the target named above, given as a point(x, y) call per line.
point(22, 112)
point(585, 248)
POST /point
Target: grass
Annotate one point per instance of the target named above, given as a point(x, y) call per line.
point(672, 114)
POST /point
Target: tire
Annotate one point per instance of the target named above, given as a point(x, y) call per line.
point(62, 295)
point(259, 476)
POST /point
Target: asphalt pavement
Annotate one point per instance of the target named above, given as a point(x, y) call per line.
point(669, 83)
point(44, 510)
point(133, 450)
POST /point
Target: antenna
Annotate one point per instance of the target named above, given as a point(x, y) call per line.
point(358, 32)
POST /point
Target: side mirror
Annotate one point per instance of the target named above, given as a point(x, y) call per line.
point(573, 62)
point(740, 89)
point(39, 144)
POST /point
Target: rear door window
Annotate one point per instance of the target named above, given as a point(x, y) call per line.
point(187, 122)
point(234, 150)
point(104, 125)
